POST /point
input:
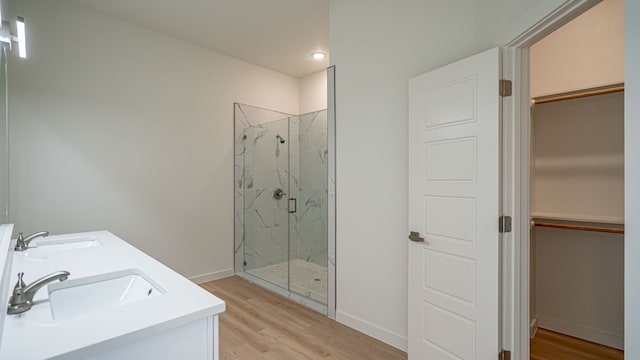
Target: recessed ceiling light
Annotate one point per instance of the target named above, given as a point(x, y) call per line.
point(318, 55)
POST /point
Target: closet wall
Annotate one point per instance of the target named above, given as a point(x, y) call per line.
point(579, 176)
point(577, 171)
point(587, 52)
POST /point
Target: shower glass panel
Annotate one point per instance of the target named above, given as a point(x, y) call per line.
point(266, 194)
point(281, 201)
point(308, 261)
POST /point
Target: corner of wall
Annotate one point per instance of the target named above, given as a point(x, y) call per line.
point(398, 341)
point(313, 92)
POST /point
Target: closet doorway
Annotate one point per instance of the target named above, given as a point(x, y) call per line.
point(577, 188)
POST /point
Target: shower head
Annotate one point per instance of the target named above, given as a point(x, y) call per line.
point(280, 138)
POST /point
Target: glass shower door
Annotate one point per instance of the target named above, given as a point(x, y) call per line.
point(282, 202)
point(266, 189)
point(309, 223)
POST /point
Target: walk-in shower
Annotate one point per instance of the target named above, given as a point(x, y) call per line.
point(282, 202)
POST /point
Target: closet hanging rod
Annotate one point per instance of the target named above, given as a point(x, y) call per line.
point(577, 227)
point(601, 90)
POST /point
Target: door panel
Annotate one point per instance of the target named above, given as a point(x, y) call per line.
point(440, 154)
point(454, 188)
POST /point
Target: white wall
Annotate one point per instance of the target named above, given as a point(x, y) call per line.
point(116, 127)
point(313, 92)
point(580, 278)
point(587, 52)
point(499, 21)
point(632, 179)
point(579, 159)
point(376, 47)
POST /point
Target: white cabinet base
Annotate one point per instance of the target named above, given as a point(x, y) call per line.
point(197, 340)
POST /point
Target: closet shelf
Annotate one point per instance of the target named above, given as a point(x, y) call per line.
point(580, 218)
point(577, 227)
point(600, 90)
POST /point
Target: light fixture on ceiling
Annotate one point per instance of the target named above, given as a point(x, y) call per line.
point(6, 37)
point(318, 55)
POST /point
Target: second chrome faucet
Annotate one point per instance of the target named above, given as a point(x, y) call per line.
point(22, 243)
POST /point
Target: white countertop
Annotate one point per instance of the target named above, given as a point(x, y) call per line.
point(36, 335)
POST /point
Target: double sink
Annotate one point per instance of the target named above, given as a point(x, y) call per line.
point(116, 302)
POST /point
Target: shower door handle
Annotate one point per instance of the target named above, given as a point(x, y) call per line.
point(293, 208)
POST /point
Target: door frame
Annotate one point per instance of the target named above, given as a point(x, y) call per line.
point(516, 152)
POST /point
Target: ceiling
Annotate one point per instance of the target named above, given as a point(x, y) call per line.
point(276, 34)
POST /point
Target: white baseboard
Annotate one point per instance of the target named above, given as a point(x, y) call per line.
point(583, 332)
point(200, 279)
point(533, 327)
point(389, 337)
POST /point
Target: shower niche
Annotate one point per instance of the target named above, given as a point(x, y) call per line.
point(282, 202)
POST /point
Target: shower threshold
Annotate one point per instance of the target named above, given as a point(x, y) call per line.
point(308, 282)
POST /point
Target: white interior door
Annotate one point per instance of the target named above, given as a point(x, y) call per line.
point(454, 190)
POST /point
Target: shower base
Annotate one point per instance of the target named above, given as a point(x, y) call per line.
point(307, 279)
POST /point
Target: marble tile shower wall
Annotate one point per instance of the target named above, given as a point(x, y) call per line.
point(312, 222)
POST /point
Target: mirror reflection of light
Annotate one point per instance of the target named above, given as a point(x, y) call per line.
point(22, 46)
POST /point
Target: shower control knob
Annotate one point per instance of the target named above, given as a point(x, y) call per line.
point(278, 194)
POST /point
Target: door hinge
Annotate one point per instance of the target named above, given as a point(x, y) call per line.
point(504, 224)
point(504, 355)
point(505, 88)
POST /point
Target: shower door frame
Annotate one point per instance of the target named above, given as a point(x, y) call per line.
point(329, 308)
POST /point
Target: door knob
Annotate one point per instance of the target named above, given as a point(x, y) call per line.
point(415, 236)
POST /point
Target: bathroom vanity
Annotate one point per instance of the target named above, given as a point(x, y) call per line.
point(117, 303)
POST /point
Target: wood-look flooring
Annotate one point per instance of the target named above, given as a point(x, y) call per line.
point(259, 324)
point(550, 345)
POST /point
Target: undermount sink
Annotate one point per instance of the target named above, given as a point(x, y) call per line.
point(42, 247)
point(100, 292)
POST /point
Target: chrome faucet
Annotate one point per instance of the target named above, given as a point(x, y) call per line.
point(22, 243)
point(22, 298)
